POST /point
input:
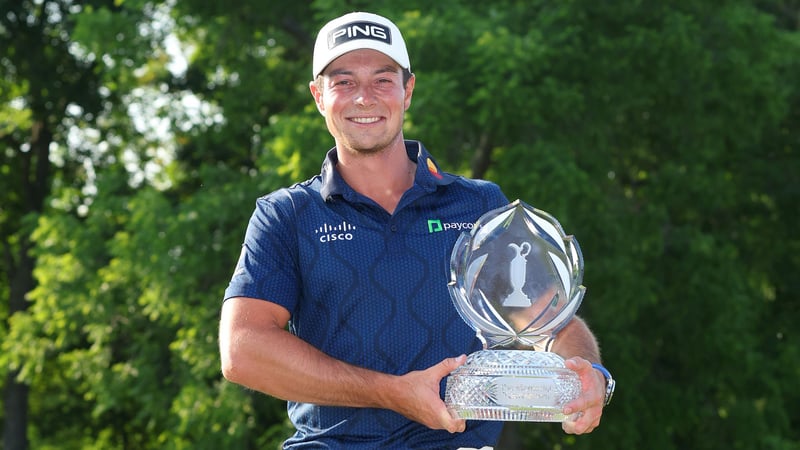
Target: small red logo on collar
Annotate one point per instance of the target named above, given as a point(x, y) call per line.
point(433, 169)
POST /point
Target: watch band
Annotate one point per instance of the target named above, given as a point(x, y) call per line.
point(610, 383)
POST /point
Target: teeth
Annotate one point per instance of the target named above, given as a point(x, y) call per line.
point(365, 119)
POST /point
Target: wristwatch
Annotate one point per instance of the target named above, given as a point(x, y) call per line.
point(610, 383)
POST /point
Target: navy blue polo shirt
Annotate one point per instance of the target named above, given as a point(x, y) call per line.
point(369, 288)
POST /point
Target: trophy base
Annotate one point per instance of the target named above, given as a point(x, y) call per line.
point(512, 385)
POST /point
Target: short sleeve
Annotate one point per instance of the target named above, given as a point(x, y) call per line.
point(267, 268)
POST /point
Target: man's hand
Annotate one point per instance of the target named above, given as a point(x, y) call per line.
point(588, 407)
point(419, 398)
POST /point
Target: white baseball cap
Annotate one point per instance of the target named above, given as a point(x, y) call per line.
point(356, 31)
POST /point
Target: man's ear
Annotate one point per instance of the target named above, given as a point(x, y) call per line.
point(409, 91)
point(317, 94)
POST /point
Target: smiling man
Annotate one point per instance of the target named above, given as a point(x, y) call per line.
point(339, 301)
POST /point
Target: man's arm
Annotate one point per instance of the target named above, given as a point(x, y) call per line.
point(257, 352)
point(578, 346)
point(576, 339)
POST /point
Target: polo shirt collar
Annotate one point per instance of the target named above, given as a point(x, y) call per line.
point(428, 175)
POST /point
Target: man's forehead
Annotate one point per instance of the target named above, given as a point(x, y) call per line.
point(362, 60)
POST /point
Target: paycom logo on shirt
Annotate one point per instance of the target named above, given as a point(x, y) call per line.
point(436, 226)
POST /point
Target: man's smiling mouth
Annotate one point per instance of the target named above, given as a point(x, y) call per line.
point(365, 120)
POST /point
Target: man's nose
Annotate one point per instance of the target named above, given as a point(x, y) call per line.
point(365, 96)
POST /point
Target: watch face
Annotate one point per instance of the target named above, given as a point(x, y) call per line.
point(610, 385)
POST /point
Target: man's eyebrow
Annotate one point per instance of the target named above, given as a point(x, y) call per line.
point(336, 72)
point(387, 68)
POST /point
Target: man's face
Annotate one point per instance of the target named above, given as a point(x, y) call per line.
point(363, 100)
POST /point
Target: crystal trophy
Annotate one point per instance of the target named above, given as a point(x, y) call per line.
point(516, 280)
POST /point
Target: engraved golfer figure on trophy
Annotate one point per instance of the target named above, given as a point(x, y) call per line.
point(518, 264)
point(516, 280)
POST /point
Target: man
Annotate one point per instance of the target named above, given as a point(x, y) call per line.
point(339, 301)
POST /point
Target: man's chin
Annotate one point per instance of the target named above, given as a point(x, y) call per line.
point(366, 147)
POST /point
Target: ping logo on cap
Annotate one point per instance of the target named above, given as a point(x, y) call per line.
point(359, 30)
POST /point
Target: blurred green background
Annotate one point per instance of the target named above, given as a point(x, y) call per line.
point(136, 135)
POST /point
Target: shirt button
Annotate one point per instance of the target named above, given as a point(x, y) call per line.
point(393, 228)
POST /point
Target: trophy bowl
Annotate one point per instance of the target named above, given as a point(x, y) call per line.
point(516, 280)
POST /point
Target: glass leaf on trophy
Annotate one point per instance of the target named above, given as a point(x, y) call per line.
point(516, 280)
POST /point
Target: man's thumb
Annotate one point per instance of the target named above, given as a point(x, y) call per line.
point(451, 364)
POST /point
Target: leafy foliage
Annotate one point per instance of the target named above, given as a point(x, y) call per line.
point(663, 136)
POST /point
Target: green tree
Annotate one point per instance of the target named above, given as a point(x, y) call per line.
point(668, 189)
point(661, 135)
point(42, 85)
point(126, 353)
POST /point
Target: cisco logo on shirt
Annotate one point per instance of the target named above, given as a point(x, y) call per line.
point(436, 225)
point(339, 232)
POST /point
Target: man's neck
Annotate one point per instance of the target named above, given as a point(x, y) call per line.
point(383, 176)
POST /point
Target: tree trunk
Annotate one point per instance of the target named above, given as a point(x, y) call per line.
point(20, 264)
point(15, 398)
point(482, 158)
point(15, 436)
